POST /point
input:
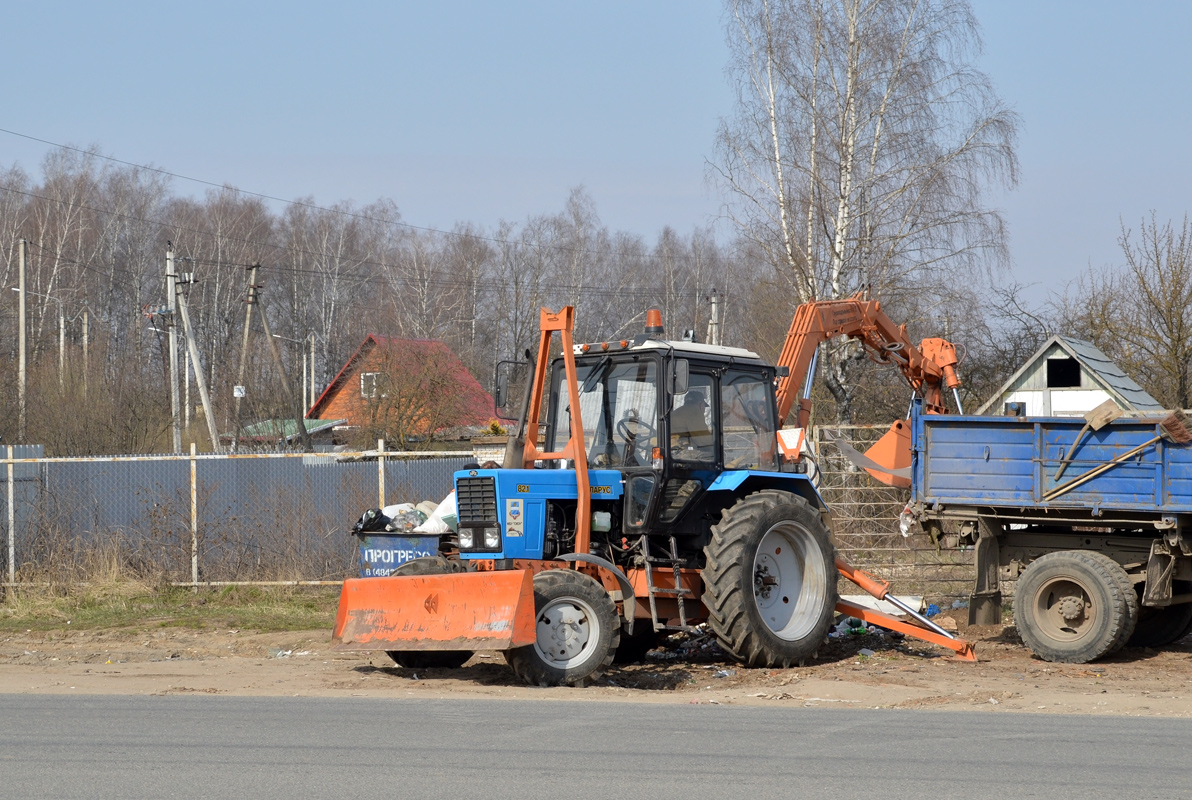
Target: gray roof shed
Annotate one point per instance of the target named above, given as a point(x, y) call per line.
point(1096, 372)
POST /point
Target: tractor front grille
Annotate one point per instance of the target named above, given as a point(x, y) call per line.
point(476, 499)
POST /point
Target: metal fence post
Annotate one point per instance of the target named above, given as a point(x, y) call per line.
point(380, 473)
point(12, 520)
point(194, 518)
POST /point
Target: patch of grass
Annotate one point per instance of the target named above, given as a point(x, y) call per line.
point(130, 605)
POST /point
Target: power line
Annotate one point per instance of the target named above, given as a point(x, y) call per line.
point(439, 283)
point(310, 206)
point(349, 273)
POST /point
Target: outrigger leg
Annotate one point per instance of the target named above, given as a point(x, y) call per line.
point(926, 630)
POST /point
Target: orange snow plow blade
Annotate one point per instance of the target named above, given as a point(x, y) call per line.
point(464, 611)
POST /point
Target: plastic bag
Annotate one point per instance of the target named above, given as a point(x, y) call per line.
point(435, 523)
point(398, 508)
point(375, 519)
point(406, 520)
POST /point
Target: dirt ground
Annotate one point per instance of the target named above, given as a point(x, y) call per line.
point(899, 674)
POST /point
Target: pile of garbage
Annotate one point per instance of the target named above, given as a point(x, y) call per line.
point(428, 517)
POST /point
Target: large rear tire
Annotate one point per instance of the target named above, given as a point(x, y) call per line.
point(578, 631)
point(1074, 606)
point(1158, 627)
point(770, 580)
point(430, 659)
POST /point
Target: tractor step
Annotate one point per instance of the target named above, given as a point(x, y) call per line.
point(678, 591)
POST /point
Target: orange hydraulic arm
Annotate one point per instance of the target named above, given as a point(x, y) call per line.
point(926, 368)
point(922, 628)
point(576, 449)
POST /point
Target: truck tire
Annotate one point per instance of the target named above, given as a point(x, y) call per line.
point(1074, 606)
point(770, 580)
point(1158, 627)
point(578, 631)
point(430, 659)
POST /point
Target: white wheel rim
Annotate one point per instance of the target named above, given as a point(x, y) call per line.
point(789, 581)
point(568, 631)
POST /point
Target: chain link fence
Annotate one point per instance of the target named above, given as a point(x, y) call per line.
point(203, 519)
point(285, 517)
point(865, 523)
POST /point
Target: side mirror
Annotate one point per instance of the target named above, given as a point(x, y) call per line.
point(501, 379)
point(783, 372)
point(680, 377)
point(501, 390)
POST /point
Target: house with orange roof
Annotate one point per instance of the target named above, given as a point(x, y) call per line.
point(405, 391)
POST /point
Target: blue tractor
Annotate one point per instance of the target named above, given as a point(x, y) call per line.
point(646, 491)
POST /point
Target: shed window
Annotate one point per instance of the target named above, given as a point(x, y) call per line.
point(1063, 373)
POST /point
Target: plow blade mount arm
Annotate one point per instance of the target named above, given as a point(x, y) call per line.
point(460, 611)
point(921, 628)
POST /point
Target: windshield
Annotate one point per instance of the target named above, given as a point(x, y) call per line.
point(619, 411)
point(747, 421)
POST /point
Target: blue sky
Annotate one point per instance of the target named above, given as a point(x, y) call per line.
point(480, 111)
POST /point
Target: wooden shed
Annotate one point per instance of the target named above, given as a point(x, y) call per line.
point(1069, 377)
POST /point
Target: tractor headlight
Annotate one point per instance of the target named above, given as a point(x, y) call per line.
point(492, 538)
point(466, 542)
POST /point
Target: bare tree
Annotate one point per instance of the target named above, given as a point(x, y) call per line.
point(861, 146)
point(1141, 315)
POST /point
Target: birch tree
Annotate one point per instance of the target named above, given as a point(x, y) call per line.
point(861, 148)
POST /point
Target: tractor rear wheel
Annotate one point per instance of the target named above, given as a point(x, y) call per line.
point(430, 659)
point(770, 580)
point(1074, 606)
point(578, 630)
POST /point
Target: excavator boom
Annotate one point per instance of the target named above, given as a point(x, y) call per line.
point(928, 368)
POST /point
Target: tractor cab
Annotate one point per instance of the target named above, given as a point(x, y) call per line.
point(671, 417)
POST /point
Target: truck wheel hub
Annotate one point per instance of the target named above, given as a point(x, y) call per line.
point(1070, 608)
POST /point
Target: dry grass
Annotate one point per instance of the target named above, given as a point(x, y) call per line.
point(132, 605)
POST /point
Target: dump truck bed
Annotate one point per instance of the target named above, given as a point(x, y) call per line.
point(1010, 462)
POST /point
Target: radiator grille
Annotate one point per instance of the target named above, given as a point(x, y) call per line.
point(476, 499)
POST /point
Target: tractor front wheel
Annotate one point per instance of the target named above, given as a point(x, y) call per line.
point(577, 627)
point(770, 580)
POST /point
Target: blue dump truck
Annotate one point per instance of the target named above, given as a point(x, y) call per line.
point(1101, 556)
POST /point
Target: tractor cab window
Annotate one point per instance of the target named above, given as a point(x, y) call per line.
point(619, 405)
point(691, 429)
point(747, 421)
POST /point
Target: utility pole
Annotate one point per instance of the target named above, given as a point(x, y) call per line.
point(200, 379)
point(86, 361)
point(21, 346)
point(291, 396)
point(61, 349)
point(311, 404)
point(171, 300)
point(305, 377)
point(186, 393)
point(249, 302)
point(714, 320)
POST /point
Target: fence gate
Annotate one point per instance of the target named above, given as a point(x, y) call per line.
point(865, 522)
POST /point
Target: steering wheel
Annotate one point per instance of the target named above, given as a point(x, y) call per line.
point(635, 431)
point(633, 428)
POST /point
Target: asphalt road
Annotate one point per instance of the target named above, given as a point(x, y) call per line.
point(220, 747)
